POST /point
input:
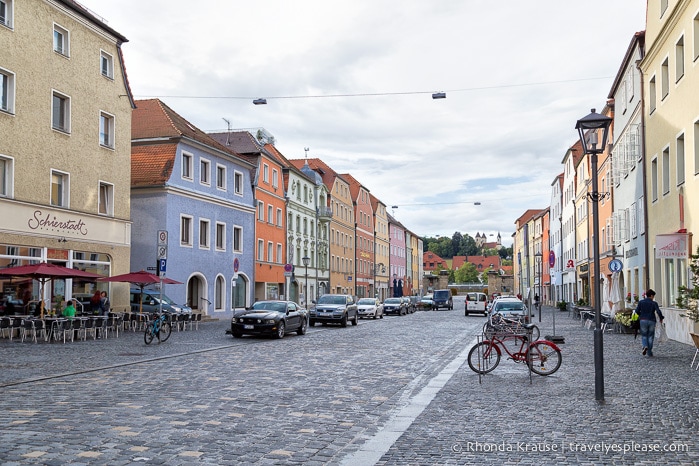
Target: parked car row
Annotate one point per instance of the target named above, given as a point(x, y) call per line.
point(277, 318)
point(400, 306)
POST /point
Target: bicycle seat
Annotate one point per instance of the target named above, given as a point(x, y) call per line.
point(529, 326)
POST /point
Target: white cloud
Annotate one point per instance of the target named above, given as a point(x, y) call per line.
point(517, 75)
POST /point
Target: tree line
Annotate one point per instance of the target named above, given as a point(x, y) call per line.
point(461, 245)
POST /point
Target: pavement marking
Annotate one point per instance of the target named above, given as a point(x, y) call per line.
point(375, 447)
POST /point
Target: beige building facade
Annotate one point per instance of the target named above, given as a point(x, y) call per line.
point(65, 144)
point(342, 235)
point(670, 80)
point(381, 250)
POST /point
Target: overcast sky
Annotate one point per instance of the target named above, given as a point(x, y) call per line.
point(517, 74)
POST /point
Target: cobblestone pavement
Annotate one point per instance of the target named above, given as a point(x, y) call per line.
point(395, 391)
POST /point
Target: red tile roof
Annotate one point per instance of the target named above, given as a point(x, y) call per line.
point(153, 119)
point(152, 165)
point(484, 263)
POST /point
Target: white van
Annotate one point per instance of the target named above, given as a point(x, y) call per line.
point(476, 303)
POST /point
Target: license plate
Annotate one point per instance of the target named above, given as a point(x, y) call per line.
point(248, 327)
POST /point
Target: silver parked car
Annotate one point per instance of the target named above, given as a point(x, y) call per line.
point(370, 307)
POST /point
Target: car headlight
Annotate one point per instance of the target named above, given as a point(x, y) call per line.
point(269, 321)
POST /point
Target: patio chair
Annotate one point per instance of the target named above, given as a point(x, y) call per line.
point(88, 326)
point(695, 338)
point(100, 327)
point(5, 326)
point(33, 328)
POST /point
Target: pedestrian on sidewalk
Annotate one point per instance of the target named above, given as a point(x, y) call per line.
point(646, 310)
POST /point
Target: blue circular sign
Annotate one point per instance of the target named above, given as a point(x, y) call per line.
point(236, 264)
point(615, 265)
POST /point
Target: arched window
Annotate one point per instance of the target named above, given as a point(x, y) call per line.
point(219, 293)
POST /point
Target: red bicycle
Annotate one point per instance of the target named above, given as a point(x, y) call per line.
point(542, 356)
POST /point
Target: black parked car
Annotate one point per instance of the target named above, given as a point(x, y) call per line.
point(276, 318)
point(394, 306)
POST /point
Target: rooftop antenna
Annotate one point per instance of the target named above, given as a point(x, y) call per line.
point(228, 137)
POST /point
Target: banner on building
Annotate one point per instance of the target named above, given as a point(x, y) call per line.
point(672, 246)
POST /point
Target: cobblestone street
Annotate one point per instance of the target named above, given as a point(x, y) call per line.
point(391, 391)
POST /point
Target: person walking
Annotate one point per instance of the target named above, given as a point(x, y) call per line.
point(646, 310)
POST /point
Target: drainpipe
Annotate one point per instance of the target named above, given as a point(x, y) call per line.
point(644, 173)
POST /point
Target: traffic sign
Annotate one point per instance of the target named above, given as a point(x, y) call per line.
point(615, 265)
point(162, 252)
point(162, 265)
point(288, 268)
point(552, 259)
point(162, 237)
point(236, 265)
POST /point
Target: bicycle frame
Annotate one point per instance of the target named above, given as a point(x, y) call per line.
point(498, 341)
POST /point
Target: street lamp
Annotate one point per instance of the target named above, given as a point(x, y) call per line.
point(588, 129)
point(306, 260)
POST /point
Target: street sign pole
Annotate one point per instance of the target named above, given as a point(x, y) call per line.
point(161, 249)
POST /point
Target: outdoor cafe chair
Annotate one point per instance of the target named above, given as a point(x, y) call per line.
point(695, 339)
point(34, 328)
point(101, 327)
point(5, 326)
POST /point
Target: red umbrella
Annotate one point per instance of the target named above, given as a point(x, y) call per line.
point(44, 271)
point(141, 279)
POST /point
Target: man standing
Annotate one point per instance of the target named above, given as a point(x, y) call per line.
point(646, 310)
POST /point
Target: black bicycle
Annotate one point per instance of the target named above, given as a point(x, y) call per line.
point(159, 327)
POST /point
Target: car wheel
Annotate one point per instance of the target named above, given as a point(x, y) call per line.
point(302, 329)
point(312, 323)
point(374, 315)
point(281, 330)
point(237, 335)
point(343, 322)
point(356, 320)
point(381, 316)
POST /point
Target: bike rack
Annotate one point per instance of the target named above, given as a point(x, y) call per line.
point(504, 332)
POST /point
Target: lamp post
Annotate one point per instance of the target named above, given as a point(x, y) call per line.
point(588, 127)
point(306, 260)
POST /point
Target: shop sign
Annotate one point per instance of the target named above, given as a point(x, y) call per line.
point(51, 222)
point(57, 254)
point(673, 246)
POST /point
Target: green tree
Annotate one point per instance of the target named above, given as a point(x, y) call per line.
point(452, 276)
point(466, 274)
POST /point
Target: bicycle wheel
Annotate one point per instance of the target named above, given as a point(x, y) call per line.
point(165, 331)
point(543, 358)
point(483, 357)
point(148, 335)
